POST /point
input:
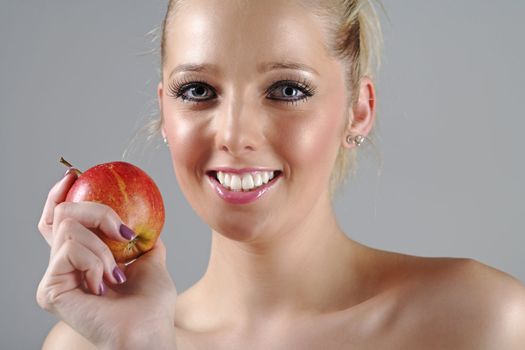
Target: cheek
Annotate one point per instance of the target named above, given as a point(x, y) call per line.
point(312, 140)
point(187, 146)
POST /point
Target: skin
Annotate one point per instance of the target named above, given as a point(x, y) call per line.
point(255, 248)
point(282, 274)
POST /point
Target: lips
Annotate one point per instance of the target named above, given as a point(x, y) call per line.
point(241, 197)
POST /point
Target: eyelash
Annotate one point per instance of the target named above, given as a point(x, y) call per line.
point(178, 89)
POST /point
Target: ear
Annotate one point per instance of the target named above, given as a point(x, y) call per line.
point(363, 113)
point(159, 100)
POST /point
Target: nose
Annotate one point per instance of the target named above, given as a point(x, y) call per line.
point(239, 130)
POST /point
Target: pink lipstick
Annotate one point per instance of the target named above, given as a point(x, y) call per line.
point(241, 197)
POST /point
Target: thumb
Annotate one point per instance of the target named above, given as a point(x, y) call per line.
point(149, 270)
point(157, 254)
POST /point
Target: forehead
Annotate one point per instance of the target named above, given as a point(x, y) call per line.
point(244, 32)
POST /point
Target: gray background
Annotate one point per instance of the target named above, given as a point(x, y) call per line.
point(76, 80)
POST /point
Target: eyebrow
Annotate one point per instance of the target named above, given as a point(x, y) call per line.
point(261, 68)
point(268, 66)
point(194, 67)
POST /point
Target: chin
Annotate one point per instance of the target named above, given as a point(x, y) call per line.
point(240, 230)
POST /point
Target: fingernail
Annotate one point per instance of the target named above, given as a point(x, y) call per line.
point(119, 275)
point(71, 171)
point(126, 232)
point(101, 289)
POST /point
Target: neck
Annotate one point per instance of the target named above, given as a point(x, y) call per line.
point(306, 269)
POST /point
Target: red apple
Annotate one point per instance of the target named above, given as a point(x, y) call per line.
point(134, 197)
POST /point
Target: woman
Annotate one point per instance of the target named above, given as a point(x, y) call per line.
point(261, 103)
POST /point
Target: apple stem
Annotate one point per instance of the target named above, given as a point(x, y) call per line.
point(69, 165)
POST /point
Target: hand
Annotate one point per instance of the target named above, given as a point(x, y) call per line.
point(81, 287)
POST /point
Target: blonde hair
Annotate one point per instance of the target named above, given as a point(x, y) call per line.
point(354, 36)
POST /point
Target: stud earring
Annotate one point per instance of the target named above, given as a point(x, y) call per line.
point(358, 139)
point(165, 141)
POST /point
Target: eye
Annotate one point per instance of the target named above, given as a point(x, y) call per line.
point(194, 91)
point(290, 91)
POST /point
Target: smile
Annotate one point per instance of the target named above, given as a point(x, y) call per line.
point(245, 182)
point(237, 189)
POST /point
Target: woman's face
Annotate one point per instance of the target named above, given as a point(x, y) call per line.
point(249, 84)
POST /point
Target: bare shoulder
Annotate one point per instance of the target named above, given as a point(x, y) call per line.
point(463, 303)
point(62, 336)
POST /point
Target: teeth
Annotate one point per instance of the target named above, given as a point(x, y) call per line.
point(247, 182)
point(235, 183)
point(227, 180)
point(258, 181)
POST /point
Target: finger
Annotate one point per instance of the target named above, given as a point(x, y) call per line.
point(156, 255)
point(56, 195)
point(159, 251)
point(148, 274)
point(94, 215)
point(74, 256)
point(70, 229)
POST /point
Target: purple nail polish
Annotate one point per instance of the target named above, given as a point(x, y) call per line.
point(119, 275)
point(101, 289)
point(126, 232)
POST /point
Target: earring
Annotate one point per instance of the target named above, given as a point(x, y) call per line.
point(165, 141)
point(358, 140)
